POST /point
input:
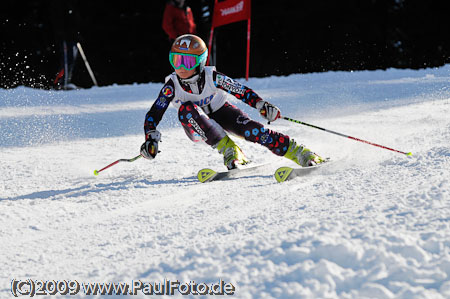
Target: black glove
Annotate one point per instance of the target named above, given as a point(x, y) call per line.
point(149, 149)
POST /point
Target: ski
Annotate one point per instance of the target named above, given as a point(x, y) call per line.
point(208, 175)
point(287, 173)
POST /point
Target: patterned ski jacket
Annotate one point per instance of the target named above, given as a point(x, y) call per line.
point(209, 92)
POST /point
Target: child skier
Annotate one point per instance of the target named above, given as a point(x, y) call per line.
point(200, 94)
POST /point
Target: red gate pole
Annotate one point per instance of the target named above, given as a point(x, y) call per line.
point(248, 50)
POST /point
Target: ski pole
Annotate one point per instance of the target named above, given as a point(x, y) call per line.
point(86, 63)
point(346, 136)
point(96, 172)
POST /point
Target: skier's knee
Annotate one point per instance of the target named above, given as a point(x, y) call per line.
point(187, 111)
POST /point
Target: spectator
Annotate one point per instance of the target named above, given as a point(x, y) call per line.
point(178, 19)
point(66, 22)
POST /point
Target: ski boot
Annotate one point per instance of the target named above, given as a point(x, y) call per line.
point(232, 154)
point(301, 155)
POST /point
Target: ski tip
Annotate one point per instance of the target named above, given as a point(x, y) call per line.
point(96, 172)
point(409, 154)
point(282, 174)
point(206, 175)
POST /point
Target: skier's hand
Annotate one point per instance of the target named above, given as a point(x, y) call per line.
point(268, 111)
point(149, 149)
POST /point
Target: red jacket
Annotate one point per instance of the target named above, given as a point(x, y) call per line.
point(177, 21)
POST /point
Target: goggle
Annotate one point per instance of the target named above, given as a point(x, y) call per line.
point(188, 61)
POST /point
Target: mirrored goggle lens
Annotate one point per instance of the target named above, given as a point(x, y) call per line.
point(188, 62)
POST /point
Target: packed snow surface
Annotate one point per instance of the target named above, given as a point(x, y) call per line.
point(374, 224)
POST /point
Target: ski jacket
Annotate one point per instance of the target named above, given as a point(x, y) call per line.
point(209, 92)
point(178, 21)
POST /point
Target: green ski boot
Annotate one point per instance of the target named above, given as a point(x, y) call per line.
point(232, 154)
point(301, 155)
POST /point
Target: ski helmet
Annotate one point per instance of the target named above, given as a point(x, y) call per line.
point(189, 51)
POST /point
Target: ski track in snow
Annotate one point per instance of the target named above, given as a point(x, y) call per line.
point(374, 224)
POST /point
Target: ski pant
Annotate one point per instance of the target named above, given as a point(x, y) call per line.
point(213, 127)
point(69, 55)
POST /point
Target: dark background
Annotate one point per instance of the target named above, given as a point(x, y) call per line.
point(124, 41)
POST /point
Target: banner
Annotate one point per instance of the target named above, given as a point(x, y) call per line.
point(231, 11)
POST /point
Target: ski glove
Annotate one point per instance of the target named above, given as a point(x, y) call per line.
point(149, 149)
point(268, 111)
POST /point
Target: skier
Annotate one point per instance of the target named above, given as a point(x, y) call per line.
point(200, 94)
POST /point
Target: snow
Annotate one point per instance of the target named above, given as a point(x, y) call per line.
point(375, 224)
